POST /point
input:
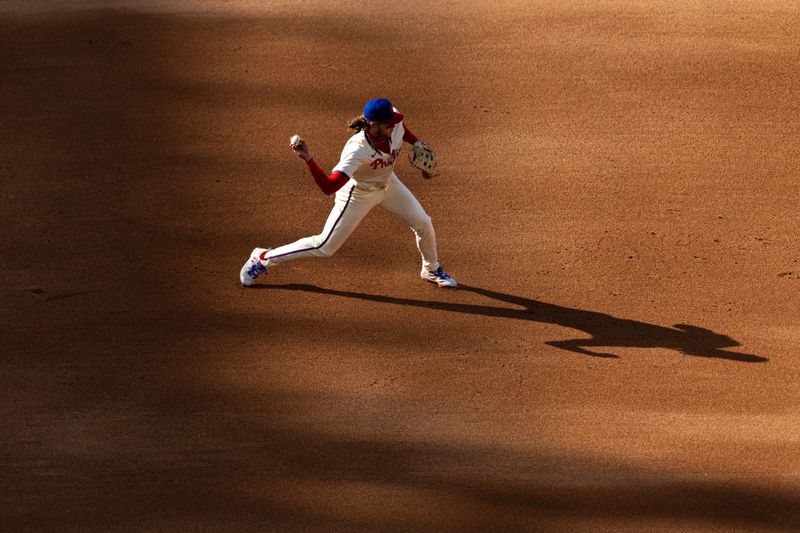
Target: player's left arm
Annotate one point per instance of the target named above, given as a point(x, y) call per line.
point(408, 136)
point(422, 155)
point(412, 139)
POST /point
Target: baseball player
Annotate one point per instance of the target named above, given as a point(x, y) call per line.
point(363, 178)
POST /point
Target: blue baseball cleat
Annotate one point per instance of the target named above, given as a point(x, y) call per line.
point(254, 267)
point(439, 277)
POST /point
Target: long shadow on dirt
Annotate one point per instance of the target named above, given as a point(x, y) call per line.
point(606, 330)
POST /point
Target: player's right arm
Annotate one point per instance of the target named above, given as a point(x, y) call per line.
point(328, 183)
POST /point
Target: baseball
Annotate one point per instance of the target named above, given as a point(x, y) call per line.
point(295, 140)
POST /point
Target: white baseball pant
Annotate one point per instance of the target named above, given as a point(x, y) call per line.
point(350, 207)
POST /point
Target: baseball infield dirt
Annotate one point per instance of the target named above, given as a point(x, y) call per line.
point(617, 198)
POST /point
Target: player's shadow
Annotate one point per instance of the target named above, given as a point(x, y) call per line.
point(605, 330)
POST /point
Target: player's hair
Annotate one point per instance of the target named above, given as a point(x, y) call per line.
point(358, 124)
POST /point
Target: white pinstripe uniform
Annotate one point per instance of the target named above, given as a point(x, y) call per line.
point(372, 182)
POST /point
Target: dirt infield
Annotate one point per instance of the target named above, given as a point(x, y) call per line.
point(618, 200)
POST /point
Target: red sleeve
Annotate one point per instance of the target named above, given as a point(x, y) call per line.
point(328, 184)
point(409, 136)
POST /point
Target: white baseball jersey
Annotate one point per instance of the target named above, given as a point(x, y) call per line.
point(365, 164)
point(372, 182)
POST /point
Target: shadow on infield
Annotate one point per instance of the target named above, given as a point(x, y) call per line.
point(605, 330)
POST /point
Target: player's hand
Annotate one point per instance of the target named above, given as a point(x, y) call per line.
point(300, 147)
point(423, 158)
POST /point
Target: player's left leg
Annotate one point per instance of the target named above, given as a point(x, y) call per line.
point(400, 201)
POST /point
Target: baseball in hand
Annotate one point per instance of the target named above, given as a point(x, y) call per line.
point(295, 140)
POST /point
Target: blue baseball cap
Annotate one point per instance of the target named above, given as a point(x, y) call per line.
point(381, 110)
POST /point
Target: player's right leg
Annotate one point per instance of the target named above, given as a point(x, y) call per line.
point(254, 267)
point(350, 207)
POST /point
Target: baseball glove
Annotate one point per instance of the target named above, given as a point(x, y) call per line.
point(423, 158)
